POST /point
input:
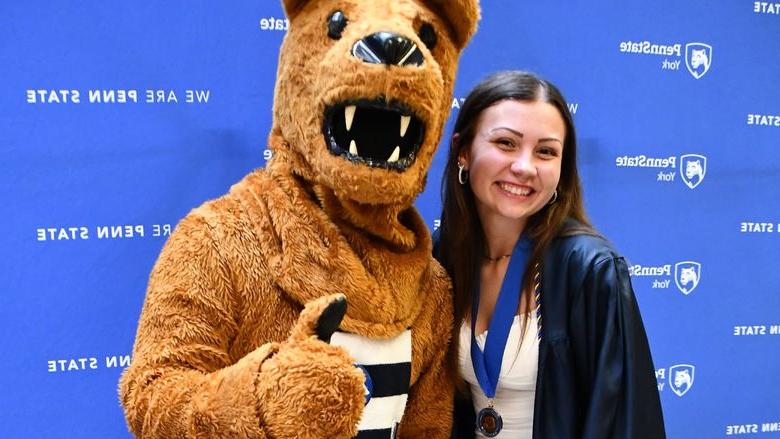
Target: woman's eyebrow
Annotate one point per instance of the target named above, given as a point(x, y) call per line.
point(515, 132)
point(519, 134)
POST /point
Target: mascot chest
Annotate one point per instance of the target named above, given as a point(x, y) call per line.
point(387, 365)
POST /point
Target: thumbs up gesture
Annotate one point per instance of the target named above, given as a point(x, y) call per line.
point(310, 389)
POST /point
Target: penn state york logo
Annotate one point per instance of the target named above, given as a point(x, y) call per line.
point(693, 167)
point(687, 275)
point(681, 378)
point(698, 58)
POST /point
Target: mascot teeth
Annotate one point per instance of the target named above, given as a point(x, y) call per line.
point(404, 125)
point(349, 115)
point(394, 157)
point(389, 134)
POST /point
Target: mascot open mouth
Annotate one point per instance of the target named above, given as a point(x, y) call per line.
point(373, 132)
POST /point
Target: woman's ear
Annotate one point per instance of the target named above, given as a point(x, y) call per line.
point(463, 154)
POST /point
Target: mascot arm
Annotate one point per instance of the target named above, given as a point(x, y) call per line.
point(182, 382)
point(429, 412)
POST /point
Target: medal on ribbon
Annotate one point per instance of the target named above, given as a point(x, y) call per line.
point(487, 364)
point(489, 422)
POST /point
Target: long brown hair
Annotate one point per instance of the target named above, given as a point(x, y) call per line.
point(461, 243)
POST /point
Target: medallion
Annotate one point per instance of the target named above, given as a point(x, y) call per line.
point(489, 422)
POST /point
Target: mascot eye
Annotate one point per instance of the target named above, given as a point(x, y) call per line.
point(336, 24)
point(428, 35)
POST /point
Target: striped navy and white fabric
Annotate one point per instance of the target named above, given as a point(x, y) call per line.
point(389, 365)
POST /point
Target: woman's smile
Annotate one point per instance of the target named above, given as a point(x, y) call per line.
point(517, 191)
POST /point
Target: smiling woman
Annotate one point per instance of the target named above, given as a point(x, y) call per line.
point(515, 162)
point(548, 341)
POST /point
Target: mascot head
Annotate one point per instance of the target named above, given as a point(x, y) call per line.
point(363, 92)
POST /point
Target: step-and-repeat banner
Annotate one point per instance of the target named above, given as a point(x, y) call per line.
point(119, 117)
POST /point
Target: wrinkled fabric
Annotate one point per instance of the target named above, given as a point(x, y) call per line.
point(596, 377)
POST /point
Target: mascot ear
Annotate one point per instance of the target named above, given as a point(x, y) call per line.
point(293, 7)
point(463, 16)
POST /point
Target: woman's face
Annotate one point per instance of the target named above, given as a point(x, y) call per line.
point(514, 161)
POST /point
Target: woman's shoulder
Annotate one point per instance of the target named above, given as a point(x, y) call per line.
point(582, 245)
point(588, 261)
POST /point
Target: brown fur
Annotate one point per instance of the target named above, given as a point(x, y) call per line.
point(224, 345)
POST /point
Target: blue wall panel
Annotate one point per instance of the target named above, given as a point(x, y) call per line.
point(94, 187)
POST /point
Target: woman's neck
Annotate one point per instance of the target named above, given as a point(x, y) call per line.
point(501, 234)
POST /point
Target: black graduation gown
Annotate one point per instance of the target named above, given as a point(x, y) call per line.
point(596, 378)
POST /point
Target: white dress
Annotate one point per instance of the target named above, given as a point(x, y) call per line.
point(514, 399)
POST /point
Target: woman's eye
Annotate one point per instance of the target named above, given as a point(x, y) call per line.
point(336, 24)
point(505, 142)
point(548, 152)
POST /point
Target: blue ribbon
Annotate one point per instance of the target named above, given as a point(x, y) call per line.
point(487, 365)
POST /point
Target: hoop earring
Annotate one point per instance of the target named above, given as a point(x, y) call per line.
point(461, 179)
point(554, 198)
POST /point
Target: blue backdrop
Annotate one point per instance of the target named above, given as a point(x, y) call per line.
point(119, 117)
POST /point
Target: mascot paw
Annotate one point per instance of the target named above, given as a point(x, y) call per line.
point(310, 389)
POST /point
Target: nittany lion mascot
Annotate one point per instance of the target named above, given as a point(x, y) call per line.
point(305, 303)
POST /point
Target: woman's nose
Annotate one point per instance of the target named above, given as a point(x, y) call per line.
point(523, 164)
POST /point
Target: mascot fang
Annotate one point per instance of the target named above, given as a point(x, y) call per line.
point(305, 302)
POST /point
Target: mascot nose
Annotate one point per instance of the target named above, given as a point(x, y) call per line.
point(388, 48)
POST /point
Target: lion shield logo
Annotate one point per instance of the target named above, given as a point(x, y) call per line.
point(681, 378)
point(698, 58)
point(692, 169)
point(687, 275)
